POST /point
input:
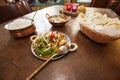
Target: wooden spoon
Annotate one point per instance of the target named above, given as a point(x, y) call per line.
point(40, 67)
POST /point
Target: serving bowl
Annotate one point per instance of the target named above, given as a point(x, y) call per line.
point(51, 43)
point(45, 45)
point(20, 27)
point(57, 20)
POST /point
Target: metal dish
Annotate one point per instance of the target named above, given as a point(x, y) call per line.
point(18, 32)
point(60, 55)
point(57, 20)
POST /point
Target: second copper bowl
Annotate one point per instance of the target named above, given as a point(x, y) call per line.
point(57, 20)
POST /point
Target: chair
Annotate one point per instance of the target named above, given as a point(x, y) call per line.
point(26, 6)
point(14, 10)
point(117, 9)
point(113, 3)
point(99, 3)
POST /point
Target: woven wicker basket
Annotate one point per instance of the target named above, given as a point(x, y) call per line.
point(96, 36)
point(73, 14)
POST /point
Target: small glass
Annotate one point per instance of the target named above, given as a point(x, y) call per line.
point(74, 7)
point(68, 6)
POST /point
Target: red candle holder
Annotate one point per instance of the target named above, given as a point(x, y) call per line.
point(68, 6)
point(74, 7)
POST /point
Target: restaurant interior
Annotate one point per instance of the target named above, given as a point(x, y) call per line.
point(32, 5)
point(59, 39)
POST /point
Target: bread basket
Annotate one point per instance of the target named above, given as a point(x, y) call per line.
point(97, 36)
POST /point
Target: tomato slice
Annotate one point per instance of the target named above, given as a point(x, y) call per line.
point(52, 35)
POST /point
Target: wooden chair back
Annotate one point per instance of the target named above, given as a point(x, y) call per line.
point(14, 10)
point(117, 9)
point(99, 3)
point(25, 5)
point(113, 3)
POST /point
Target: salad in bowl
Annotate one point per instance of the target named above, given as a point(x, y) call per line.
point(50, 43)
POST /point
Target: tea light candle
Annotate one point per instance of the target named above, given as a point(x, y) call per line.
point(74, 7)
point(68, 6)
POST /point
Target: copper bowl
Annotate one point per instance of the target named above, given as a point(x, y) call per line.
point(21, 32)
point(57, 20)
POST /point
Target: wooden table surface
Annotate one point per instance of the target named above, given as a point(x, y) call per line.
point(91, 61)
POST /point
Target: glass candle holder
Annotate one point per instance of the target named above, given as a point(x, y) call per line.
point(74, 7)
point(68, 6)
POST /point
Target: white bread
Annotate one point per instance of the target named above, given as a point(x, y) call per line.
point(101, 23)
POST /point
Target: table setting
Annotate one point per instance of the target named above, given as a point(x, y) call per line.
point(62, 47)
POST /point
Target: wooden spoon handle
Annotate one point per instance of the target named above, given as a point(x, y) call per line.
point(39, 68)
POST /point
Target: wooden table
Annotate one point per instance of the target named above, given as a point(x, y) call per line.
point(91, 61)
